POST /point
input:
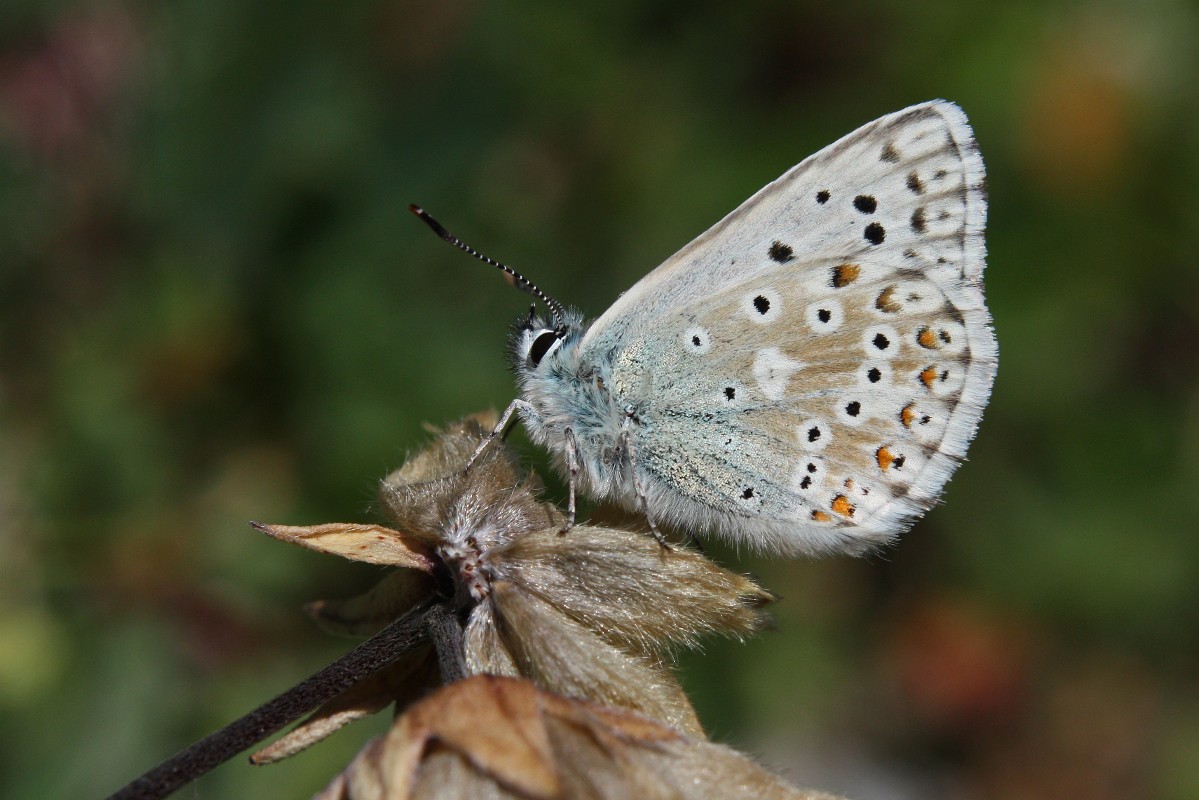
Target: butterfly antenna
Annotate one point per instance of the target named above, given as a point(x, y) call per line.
point(522, 283)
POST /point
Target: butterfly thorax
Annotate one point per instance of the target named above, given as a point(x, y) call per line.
point(570, 396)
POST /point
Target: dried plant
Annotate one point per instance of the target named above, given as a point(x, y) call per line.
point(552, 650)
point(492, 737)
point(590, 614)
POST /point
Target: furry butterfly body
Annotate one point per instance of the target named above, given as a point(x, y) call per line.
point(804, 377)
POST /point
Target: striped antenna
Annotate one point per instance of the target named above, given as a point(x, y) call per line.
point(522, 283)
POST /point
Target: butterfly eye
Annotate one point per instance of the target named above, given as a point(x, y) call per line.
point(542, 345)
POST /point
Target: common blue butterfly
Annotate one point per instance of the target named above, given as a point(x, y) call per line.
point(805, 376)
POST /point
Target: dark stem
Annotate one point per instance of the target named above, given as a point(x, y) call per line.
point(401, 637)
point(446, 632)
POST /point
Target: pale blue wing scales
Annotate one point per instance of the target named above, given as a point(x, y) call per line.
point(766, 329)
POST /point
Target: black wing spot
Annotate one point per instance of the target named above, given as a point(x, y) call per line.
point(822, 196)
point(813, 433)
point(918, 221)
point(881, 341)
point(824, 315)
point(762, 304)
point(874, 375)
point(853, 408)
point(875, 233)
point(730, 393)
point(748, 493)
point(781, 253)
point(865, 203)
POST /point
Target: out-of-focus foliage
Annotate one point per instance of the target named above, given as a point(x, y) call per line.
point(215, 307)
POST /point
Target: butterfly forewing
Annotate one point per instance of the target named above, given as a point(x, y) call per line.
point(912, 159)
point(813, 367)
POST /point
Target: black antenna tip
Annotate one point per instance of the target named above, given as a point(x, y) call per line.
point(432, 223)
point(520, 281)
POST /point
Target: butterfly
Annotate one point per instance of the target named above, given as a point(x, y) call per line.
point(804, 377)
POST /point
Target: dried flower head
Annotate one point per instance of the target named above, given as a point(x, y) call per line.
point(492, 737)
point(590, 614)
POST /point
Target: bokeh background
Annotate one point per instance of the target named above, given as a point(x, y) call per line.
point(214, 307)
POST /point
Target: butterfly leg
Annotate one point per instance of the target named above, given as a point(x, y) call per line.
point(627, 442)
point(496, 431)
point(572, 466)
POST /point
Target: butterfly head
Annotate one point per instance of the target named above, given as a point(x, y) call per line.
point(536, 338)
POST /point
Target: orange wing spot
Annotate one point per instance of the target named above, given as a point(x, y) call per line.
point(908, 414)
point(842, 506)
point(927, 376)
point(885, 457)
point(845, 274)
point(820, 516)
point(886, 301)
point(927, 339)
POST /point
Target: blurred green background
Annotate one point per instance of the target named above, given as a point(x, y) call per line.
point(214, 307)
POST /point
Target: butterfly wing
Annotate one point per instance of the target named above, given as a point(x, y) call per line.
point(812, 368)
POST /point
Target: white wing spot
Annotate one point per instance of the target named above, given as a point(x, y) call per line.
point(813, 434)
point(942, 379)
point(825, 316)
point(918, 297)
point(772, 370)
point(697, 341)
point(924, 420)
point(908, 297)
point(853, 410)
point(944, 336)
point(881, 341)
point(762, 306)
point(808, 477)
point(898, 462)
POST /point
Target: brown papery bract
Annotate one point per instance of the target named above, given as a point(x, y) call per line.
point(492, 737)
point(629, 590)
